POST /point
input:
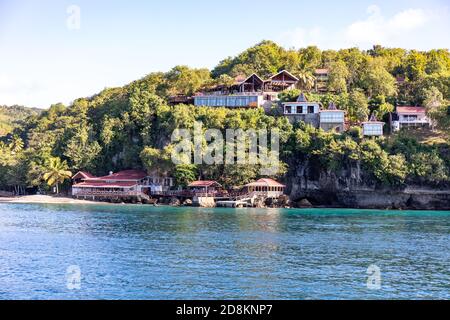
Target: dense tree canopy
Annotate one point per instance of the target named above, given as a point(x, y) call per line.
point(131, 126)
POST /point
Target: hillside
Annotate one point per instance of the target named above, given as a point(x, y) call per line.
point(130, 127)
point(10, 115)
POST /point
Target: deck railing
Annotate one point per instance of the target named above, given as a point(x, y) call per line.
point(188, 193)
point(81, 192)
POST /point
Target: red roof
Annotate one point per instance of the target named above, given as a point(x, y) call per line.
point(410, 109)
point(265, 182)
point(321, 71)
point(203, 183)
point(83, 175)
point(101, 184)
point(124, 175)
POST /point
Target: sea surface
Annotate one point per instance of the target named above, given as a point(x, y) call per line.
point(144, 252)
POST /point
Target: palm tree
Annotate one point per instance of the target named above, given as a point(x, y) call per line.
point(57, 172)
point(16, 144)
point(307, 80)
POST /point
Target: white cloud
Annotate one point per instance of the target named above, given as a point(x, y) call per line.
point(301, 37)
point(377, 29)
point(411, 28)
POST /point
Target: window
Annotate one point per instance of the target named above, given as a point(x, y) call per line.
point(310, 109)
point(374, 129)
point(288, 110)
point(332, 117)
point(410, 117)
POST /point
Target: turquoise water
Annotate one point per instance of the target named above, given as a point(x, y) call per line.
point(144, 252)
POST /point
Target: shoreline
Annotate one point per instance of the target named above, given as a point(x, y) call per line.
point(44, 199)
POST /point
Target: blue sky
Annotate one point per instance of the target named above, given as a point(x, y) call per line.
point(47, 55)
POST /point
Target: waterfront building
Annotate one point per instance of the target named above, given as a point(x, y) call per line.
point(373, 127)
point(123, 184)
point(81, 176)
point(209, 187)
point(265, 187)
point(332, 118)
point(410, 116)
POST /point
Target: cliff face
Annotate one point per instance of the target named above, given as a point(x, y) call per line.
point(353, 188)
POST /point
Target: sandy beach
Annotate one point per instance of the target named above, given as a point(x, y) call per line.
point(45, 199)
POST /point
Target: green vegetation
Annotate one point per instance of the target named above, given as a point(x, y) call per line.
point(131, 126)
point(12, 116)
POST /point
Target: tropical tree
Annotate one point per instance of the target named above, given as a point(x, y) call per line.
point(16, 144)
point(358, 107)
point(306, 80)
point(57, 172)
point(338, 76)
point(185, 173)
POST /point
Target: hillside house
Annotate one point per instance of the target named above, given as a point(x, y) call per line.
point(373, 127)
point(250, 92)
point(321, 80)
point(410, 116)
point(302, 110)
point(332, 118)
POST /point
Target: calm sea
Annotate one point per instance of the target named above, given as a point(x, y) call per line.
point(144, 252)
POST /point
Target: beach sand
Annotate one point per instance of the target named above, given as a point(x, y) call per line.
point(44, 199)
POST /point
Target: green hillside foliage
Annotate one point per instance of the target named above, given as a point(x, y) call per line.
point(131, 126)
point(12, 116)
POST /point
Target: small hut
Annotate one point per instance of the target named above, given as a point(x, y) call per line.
point(373, 127)
point(205, 186)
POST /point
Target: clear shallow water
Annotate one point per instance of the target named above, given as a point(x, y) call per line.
point(143, 252)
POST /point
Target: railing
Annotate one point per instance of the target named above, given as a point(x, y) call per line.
point(188, 194)
point(413, 121)
point(256, 93)
point(78, 192)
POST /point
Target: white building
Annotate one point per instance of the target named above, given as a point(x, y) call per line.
point(332, 118)
point(301, 106)
point(302, 110)
point(409, 116)
point(373, 127)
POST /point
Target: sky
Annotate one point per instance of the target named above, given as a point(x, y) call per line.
point(56, 50)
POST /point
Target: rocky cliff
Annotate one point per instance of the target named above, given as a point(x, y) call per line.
point(353, 188)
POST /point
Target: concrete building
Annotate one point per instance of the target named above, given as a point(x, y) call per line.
point(302, 110)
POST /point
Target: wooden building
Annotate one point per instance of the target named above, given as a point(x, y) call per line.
point(121, 185)
point(321, 80)
point(248, 92)
point(127, 184)
point(207, 187)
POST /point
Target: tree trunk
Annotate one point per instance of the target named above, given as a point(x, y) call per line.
point(57, 189)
